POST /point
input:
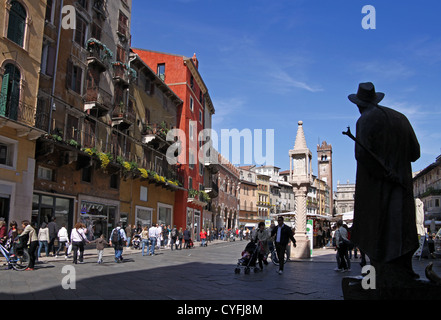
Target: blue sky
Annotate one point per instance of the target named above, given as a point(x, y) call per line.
point(269, 64)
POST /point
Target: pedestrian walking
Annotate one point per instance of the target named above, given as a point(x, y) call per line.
point(128, 231)
point(187, 236)
point(282, 234)
point(261, 238)
point(32, 243)
point(43, 239)
point(78, 239)
point(63, 240)
point(145, 240)
point(341, 238)
point(152, 237)
point(101, 243)
point(173, 238)
point(203, 237)
point(180, 238)
point(117, 239)
point(53, 232)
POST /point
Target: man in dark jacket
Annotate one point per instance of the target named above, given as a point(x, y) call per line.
point(53, 234)
point(282, 234)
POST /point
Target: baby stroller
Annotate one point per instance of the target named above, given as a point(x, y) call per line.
point(136, 242)
point(249, 258)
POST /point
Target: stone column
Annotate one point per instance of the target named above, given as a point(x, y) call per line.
point(303, 249)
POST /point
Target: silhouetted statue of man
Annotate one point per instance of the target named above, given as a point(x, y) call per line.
point(384, 215)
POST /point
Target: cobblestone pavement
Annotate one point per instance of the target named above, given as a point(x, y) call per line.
point(201, 273)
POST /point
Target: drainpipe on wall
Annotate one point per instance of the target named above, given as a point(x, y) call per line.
point(51, 104)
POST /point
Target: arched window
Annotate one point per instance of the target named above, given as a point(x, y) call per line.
point(17, 23)
point(10, 92)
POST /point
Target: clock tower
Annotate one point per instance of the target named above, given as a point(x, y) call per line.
point(324, 157)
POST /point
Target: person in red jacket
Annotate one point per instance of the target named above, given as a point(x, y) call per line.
point(203, 236)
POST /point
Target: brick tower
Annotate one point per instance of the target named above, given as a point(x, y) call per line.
point(324, 157)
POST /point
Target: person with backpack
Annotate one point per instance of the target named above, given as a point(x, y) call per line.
point(173, 237)
point(117, 240)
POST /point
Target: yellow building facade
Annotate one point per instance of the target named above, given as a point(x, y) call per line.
point(21, 40)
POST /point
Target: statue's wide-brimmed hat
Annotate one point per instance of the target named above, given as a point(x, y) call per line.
point(366, 95)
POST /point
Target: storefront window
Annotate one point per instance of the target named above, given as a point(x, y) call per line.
point(165, 215)
point(98, 218)
point(62, 209)
point(44, 208)
point(143, 217)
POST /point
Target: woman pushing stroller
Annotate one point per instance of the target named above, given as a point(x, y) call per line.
point(262, 235)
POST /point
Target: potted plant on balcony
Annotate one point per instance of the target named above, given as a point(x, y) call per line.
point(146, 129)
point(193, 194)
point(119, 110)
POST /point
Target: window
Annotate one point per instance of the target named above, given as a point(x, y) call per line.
point(122, 24)
point(74, 77)
point(114, 179)
point(191, 130)
point(160, 71)
point(81, 31)
point(48, 60)
point(144, 216)
point(191, 104)
point(50, 11)
point(17, 23)
point(3, 154)
point(201, 169)
point(86, 175)
point(10, 92)
point(120, 54)
point(143, 194)
point(96, 31)
point(191, 159)
point(45, 173)
point(8, 152)
point(200, 116)
point(165, 214)
point(190, 183)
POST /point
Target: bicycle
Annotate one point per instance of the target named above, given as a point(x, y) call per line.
point(18, 261)
point(273, 255)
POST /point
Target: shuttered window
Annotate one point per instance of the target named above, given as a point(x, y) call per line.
point(17, 23)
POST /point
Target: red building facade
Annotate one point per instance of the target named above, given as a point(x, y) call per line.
point(181, 74)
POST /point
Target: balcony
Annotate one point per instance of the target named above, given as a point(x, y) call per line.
point(155, 135)
point(198, 198)
point(213, 190)
point(121, 74)
point(97, 101)
point(122, 117)
point(18, 111)
point(99, 55)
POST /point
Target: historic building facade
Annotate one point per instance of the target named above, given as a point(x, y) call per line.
point(226, 205)
point(181, 74)
point(427, 187)
point(21, 41)
point(84, 107)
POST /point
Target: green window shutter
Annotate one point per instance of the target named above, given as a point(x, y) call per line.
point(4, 95)
point(17, 23)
